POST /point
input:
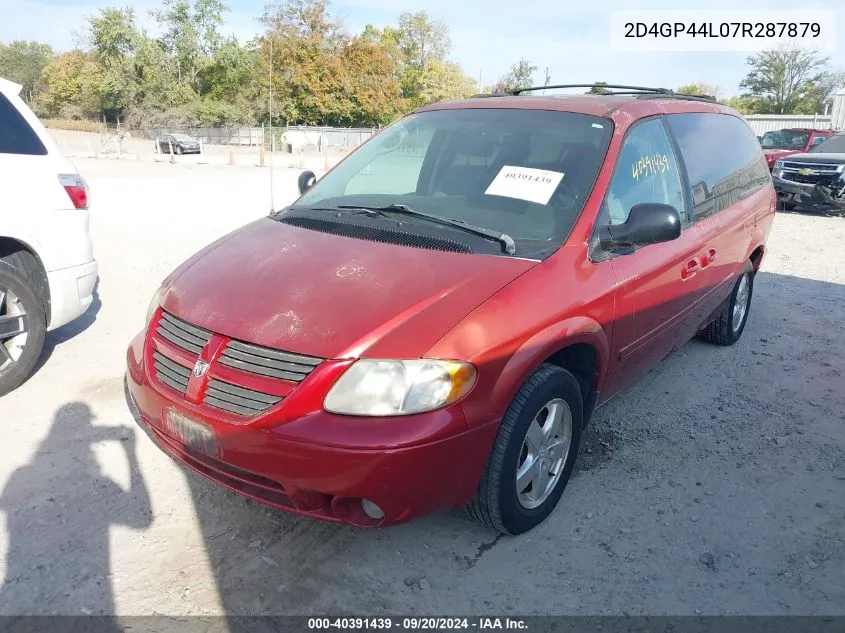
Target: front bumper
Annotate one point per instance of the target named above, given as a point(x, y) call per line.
point(808, 197)
point(296, 465)
point(71, 292)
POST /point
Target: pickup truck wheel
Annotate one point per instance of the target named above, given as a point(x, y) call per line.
point(534, 453)
point(729, 325)
point(22, 328)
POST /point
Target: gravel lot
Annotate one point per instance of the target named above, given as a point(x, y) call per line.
point(716, 485)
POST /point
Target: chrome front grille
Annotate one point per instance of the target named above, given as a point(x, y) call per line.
point(184, 335)
point(229, 395)
point(268, 362)
point(234, 399)
point(171, 373)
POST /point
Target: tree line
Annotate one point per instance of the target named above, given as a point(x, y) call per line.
point(190, 74)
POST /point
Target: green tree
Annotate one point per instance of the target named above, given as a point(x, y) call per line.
point(113, 38)
point(308, 78)
point(422, 40)
point(785, 77)
point(520, 75)
point(73, 87)
point(368, 73)
point(230, 72)
point(445, 80)
point(699, 88)
point(597, 89)
point(819, 96)
point(191, 35)
point(749, 104)
point(23, 62)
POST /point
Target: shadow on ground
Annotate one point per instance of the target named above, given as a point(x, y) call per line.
point(59, 508)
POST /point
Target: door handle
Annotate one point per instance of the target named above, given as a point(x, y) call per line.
point(690, 269)
point(707, 259)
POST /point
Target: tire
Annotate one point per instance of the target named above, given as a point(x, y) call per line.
point(18, 354)
point(723, 330)
point(499, 503)
point(178, 150)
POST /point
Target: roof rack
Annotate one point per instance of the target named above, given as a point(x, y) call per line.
point(611, 89)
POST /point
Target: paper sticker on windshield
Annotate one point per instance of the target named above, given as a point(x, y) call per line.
point(525, 183)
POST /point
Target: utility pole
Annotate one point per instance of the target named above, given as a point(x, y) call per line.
point(272, 140)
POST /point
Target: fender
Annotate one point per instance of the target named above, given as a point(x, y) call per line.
point(544, 344)
point(29, 242)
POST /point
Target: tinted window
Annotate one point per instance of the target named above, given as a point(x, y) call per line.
point(646, 171)
point(833, 145)
point(723, 159)
point(16, 137)
point(526, 173)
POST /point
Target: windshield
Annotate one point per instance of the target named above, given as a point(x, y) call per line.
point(785, 139)
point(524, 173)
point(833, 145)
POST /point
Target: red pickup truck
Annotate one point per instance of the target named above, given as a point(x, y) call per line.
point(779, 143)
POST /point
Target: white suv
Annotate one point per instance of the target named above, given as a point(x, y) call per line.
point(47, 266)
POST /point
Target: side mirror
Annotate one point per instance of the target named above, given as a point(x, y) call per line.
point(648, 223)
point(306, 181)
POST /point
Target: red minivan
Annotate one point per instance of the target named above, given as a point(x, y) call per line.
point(433, 322)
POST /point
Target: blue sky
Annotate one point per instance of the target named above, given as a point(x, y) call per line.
point(571, 39)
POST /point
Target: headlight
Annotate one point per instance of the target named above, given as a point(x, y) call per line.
point(153, 305)
point(778, 164)
point(399, 387)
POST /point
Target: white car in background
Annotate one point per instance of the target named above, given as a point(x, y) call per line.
point(47, 266)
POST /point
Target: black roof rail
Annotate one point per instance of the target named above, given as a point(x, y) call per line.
point(615, 86)
point(611, 89)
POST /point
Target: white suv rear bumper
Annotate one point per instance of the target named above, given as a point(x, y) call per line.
point(71, 292)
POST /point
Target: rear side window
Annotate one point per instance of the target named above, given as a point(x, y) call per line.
point(16, 136)
point(723, 159)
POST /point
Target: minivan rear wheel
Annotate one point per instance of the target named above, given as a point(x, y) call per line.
point(534, 453)
point(22, 328)
point(729, 325)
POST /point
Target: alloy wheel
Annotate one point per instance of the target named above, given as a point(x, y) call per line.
point(545, 450)
point(14, 328)
point(741, 301)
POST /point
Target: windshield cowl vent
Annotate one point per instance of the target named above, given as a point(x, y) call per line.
point(402, 237)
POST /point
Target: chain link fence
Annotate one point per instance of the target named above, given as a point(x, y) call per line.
point(291, 137)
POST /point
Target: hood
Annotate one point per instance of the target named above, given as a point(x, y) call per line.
point(331, 296)
point(773, 154)
point(818, 158)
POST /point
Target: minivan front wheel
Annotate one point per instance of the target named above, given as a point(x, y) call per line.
point(22, 328)
point(729, 325)
point(534, 453)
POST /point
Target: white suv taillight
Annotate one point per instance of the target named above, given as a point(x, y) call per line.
point(76, 189)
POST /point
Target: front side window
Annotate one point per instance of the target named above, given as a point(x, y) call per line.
point(646, 171)
point(525, 173)
point(818, 139)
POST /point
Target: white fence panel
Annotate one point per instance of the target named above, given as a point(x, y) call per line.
point(762, 123)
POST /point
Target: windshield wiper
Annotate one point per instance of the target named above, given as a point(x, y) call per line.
point(508, 245)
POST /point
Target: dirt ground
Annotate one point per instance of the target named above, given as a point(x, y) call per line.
point(716, 485)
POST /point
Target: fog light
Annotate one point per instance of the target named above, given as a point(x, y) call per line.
point(371, 509)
